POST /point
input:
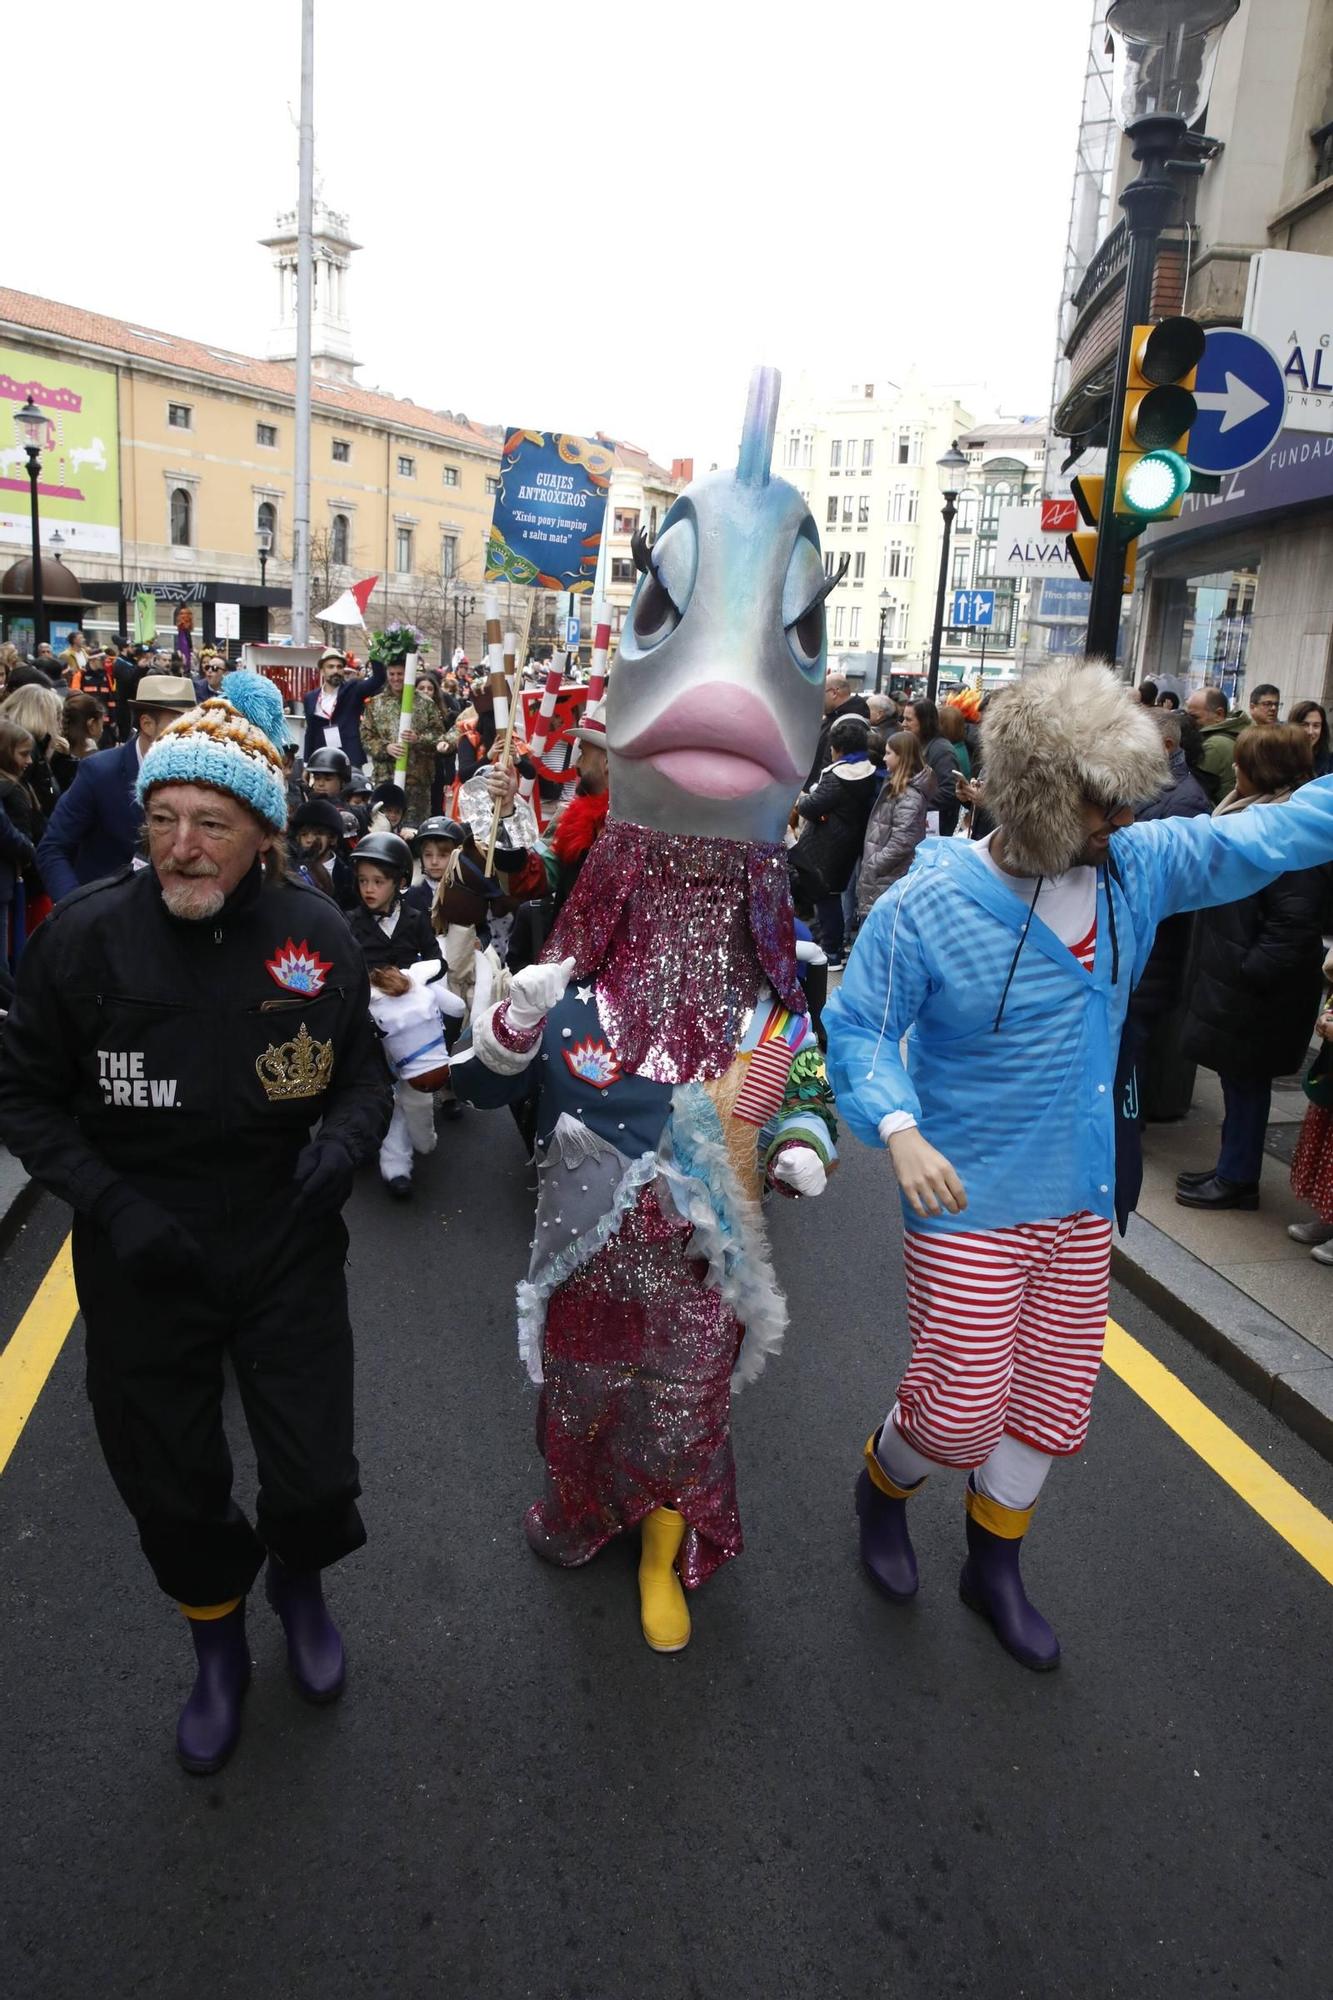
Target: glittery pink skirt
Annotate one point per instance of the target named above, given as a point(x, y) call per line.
point(636, 1411)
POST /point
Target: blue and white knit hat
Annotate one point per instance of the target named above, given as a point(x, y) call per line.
point(234, 742)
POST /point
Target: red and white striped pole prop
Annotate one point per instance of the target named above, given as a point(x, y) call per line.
point(601, 646)
point(541, 734)
point(495, 663)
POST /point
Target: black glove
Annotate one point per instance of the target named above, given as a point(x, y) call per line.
point(150, 1244)
point(324, 1174)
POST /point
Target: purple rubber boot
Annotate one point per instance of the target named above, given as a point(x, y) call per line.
point(314, 1643)
point(210, 1722)
point(992, 1583)
point(886, 1546)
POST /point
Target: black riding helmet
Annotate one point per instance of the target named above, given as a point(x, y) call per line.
point(386, 850)
point(439, 827)
point(321, 814)
point(327, 759)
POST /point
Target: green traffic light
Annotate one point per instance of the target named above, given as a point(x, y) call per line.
point(1155, 483)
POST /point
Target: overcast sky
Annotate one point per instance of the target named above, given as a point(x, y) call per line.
point(583, 216)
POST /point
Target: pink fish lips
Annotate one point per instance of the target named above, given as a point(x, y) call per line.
point(718, 741)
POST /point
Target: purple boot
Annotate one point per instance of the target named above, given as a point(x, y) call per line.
point(992, 1583)
point(210, 1722)
point(314, 1643)
point(886, 1546)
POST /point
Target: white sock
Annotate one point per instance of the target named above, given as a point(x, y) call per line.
point(1014, 1473)
point(902, 1461)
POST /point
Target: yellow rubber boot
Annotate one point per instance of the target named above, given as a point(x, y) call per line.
point(662, 1608)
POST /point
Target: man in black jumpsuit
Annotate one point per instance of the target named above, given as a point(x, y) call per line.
point(177, 1031)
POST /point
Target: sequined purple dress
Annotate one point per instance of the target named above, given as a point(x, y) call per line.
point(678, 1066)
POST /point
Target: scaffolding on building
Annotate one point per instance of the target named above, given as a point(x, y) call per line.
point(1089, 216)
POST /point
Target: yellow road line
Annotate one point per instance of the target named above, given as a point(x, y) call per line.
point(30, 1353)
point(1302, 1526)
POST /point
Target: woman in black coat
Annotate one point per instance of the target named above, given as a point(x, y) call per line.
point(1255, 981)
point(835, 815)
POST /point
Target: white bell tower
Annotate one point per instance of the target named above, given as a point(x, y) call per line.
point(331, 335)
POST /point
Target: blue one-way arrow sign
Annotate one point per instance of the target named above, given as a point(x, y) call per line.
point(1242, 401)
point(973, 609)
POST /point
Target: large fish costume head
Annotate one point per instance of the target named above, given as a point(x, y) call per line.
point(682, 912)
point(714, 706)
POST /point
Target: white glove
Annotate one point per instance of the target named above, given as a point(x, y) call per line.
point(535, 991)
point(802, 1170)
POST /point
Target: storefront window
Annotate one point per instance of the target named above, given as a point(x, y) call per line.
point(1215, 637)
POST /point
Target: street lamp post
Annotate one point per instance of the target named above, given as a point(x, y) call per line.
point(952, 470)
point(464, 605)
point(1165, 53)
point(885, 606)
point(30, 424)
point(264, 546)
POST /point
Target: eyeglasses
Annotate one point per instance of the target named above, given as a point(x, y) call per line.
point(1265, 704)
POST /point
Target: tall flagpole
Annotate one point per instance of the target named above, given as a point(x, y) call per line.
point(305, 223)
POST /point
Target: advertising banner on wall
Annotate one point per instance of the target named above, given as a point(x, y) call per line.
point(546, 528)
point(1289, 306)
point(1030, 541)
point(78, 490)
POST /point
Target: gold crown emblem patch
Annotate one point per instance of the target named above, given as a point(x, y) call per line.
point(299, 1068)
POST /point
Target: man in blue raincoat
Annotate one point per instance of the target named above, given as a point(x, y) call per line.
point(1007, 964)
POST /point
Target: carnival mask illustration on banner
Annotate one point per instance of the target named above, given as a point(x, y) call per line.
point(714, 707)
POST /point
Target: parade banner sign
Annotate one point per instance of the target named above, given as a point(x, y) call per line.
point(79, 485)
point(546, 529)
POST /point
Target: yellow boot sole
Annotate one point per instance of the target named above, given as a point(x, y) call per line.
point(663, 1612)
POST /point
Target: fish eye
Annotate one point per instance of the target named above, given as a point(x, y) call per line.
point(803, 595)
point(667, 584)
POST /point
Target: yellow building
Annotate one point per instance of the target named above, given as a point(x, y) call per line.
point(169, 466)
point(167, 460)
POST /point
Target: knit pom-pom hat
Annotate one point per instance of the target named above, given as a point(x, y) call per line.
point(1069, 732)
point(233, 742)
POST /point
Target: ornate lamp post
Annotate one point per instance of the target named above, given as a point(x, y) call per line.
point(1165, 54)
point(952, 470)
point(31, 423)
point(885, 606)
point(264, 546)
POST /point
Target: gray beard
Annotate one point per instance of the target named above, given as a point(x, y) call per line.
point(190, 900)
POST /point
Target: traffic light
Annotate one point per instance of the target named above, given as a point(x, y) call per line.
point(1089, 491)
point(1152, 477)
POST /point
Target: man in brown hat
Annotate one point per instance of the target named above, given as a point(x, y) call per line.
point(94, 830)
point(333, 709)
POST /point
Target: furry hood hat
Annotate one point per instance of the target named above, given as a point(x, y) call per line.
point(1068, 732)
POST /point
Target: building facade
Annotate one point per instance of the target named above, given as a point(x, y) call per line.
point(863, 458)
point(1007, 461)
point(169, 463)
point(1239, 588)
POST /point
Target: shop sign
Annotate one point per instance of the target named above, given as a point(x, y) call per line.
point(1289, 306)
point(1297, 470)
point(1025, 546)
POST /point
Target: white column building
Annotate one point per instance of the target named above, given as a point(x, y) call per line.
point(863, 457)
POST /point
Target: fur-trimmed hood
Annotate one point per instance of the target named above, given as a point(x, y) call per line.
point(1071, 730)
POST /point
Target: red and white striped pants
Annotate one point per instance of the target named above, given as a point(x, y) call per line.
point(1007, 1329)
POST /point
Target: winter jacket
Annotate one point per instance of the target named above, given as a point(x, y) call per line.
point(939, 756)
point(1217, 759)
point(411, 939)
point(1255, 978)
point(1026, 1110)
point(177, 1056)
point(894, 831)
point(835, 813)
point(1159, 990)
point(855, 704)
point(16, 854)
point(94, 830)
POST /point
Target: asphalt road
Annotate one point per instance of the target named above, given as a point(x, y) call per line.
point(825, 1795)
